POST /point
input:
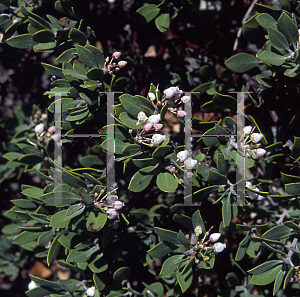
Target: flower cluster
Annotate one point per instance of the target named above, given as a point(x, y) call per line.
point(253, 195)
point(151, 123)
point(199, 249)
point(186, 161)
point(251, 143)
point(110, 66)
point(44, 136)
point(108, 204)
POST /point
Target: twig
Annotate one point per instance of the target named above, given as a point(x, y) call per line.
point(246, 16)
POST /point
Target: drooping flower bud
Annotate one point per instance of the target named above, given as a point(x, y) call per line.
point(190, 163)
point(122, 64)
point(247, 129)
point(181, 113)
point(219, 247)
point(257, 153)
point(169, 92)
point(248, 184)
point(151, 96)
point(51, 129)
point(256, 137)
point(147, 127)
point(116, 55)
point(189, 174)
point(111, 214)
point(118, 204)
point(154, 119)
point(214, 237)
point(90, 292)
point(142, 116)
point(181, 156)
point(158, 127)
point(185, 99)
point(111, 199)
point(157, 139)
point(39, 128)
point(32, 285)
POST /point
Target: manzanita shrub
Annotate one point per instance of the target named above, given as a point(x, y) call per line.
point(143, 236)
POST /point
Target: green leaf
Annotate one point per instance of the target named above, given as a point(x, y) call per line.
point(226, 210)
point(5, 3)
point(54, 22)
point(74, 211)
point(288, 28)
point(60, 198)
point(75, 74)
point(271, 58)
point(167, 235)
point(166, 182)
point(53, 250)
point(215, 178)
point(162, 22)
point(146, 13)
point(97, 54)
point(140, 163)
point(86, 56)
point(266, 20)
point(45, 238)
point(72, 180)
point(95, 74)
point(96, 221)
point(242, 62)
point(170, 265)
point(77, 36)
point(278, 281)
point(222, 165)
point(40, 291)
point(264, 267)
point(26, 237)
point(24, 203)
point(132, 104)
point(81, 256)
point(141, 179)
point(47, 47)
point(67, 55)
point(43, 36)
point(288, 277)
point(296, 148)
point(160, 151)
point(68, 285)
point(276, 232)
point(183, 240)
point(21, 41)
point(58, 220)
point(162, 249)
point(11, 229)
point(224, 102)
point(292, 225)
point(121, 274)
point(131, 149)
point(203, 193)
point(266, 277)
point(197, 221)
point(52, 70)
point(31, 159)
point(128, 120)
point(185, 280)
point(98, 264)
point(278, 39)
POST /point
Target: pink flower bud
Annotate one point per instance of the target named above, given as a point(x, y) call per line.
point(189, 174)
point(158, 127)
point(256, 137)
point(154, 119)
point(118, 205)
point(51, 129)
point(257, 153)
point(122, 64)
point(214, 237)
point(185, 99)
point(116, 55)
point(181, 113)
point(219, 247)
point(148, 127)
